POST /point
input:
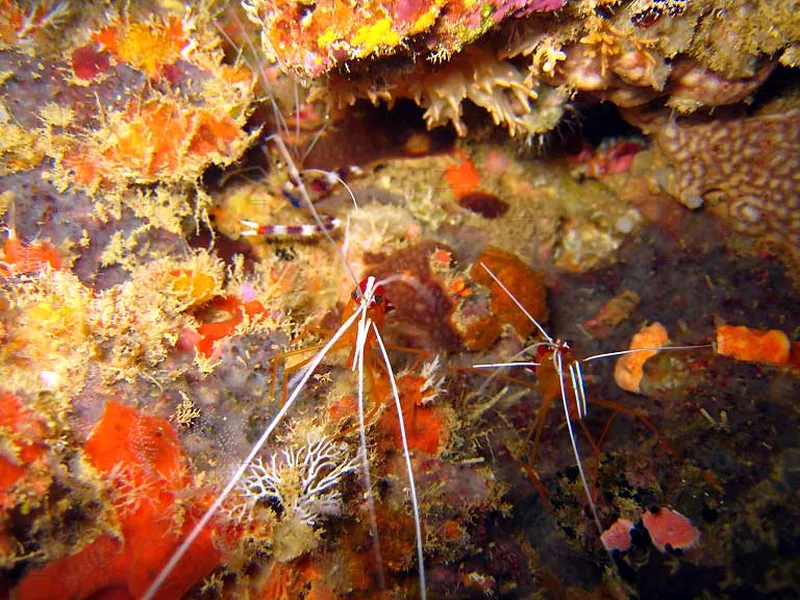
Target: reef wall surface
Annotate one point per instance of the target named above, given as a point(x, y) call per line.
point(194, 200)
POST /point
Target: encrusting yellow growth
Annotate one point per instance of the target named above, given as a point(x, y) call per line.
point(375, 36)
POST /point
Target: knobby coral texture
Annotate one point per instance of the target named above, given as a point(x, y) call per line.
point(743, 169)
point(332, 299)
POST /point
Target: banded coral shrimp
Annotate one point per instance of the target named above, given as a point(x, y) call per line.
point(360, 331)
point(698, 399)
point(257, 210)
point(553, 361)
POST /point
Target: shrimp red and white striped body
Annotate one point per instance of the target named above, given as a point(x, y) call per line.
point(302, 230)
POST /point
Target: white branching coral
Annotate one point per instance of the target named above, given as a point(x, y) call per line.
point(303, 480)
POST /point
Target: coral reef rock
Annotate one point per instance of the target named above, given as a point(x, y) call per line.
point(525, 70)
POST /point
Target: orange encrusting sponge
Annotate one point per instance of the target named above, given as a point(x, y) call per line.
point(24, 444)
point(753, 345)
point(461, 176)
point(143, 458)
point(525, 283)
point(426, 426)
point(629, 370)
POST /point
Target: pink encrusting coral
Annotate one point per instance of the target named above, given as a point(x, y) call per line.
point(669, 529)
point(611, 157)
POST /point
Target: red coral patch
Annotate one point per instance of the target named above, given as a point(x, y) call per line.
point(142, 457)
point(88, 62)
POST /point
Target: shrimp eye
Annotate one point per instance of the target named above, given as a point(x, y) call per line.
point(378, 299)
point(356, 295)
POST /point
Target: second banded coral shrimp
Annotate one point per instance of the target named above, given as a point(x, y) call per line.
point(279, 202)
point(560, 376)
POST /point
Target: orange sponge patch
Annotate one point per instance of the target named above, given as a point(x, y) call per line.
point(220, 320)
point(23, 445)
point(163, 139)
point(426, 426)
point(19, 258)
point(526, 284)
point(98, 568)
point(754, 345)
point(145, 46)
point(670, 529)
point(629, 370)
point(124, 436)
point(462, 176)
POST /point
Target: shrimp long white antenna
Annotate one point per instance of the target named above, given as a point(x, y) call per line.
point(276, 111)
point(576, 376)
point(364, 326)
point(407, 455)
point(653, 348)
point(294, 175)
point(294, 172)
point(558, 363)
point(243, 466)
point(358, 360)
point(335, 177)
point(574, 368)
point(500, 365)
